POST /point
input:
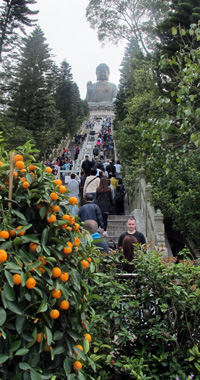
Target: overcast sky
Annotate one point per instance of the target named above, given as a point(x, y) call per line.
point(70, 37)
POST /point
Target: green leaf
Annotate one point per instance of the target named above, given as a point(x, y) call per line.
point(9, 292)
point(2, 316)
point(58, 335)
point(86, 345)
point(83, 283)
point(92, 364)
point(14, 307)
point(29, 178)
point(3, 358)
point(9, 278)
point(15, 345)
point(30, 238)
point(75, 275)
point(59, 350)
point(23, 278)
point(67, 366)
point(19, 214)
point(42, 212)
point(73, 334)
point(48, 251)
point(4, 300)
point(42, 308)
point(6, 245)
point(48, 335)
point(174, 31)
point(35, 376)
point(52, 353)
point(79, 353)
point(81, 376)
point(19, 324)
point(44, 237)
point(24, 366)
point(22, 351)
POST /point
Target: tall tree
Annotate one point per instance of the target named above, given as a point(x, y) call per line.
point(32, 104)
point(127, 19)
point(162, 133)
point(14, 14)
point(183, 14)
point(127, 83)
point(68, 100)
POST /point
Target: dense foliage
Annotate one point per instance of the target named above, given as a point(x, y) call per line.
point(165, 132)
point(146, 327)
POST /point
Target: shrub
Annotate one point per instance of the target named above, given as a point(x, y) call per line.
point(39, 334)
point(147, 327)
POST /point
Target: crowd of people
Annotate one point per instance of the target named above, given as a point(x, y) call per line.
point(99, 189)
point(63, 161)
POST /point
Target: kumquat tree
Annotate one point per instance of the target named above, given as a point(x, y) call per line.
point(44, 270)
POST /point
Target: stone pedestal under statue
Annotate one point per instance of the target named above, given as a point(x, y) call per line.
point(102, 94)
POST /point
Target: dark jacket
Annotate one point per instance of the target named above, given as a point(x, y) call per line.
point(95, 151)
point(104, 201)
point(86, 166)
point(91, 211)
point(111, 169)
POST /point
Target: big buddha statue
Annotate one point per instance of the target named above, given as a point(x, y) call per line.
point(101, 95)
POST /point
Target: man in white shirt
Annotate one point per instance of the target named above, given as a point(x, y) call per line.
point(118, 166)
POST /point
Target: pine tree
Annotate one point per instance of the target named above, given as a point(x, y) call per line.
point(68, 100)
point(14, 14)
point(183, 13)
point(33, 105)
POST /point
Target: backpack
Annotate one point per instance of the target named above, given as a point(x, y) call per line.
point(118, 196)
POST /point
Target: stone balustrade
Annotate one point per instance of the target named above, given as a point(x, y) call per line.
point(153, 219)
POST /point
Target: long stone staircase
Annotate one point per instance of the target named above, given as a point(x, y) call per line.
point(149, 221)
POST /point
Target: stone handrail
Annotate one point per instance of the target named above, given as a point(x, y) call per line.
point(155, 230)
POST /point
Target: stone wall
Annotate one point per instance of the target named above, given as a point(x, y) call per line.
point(153, 219)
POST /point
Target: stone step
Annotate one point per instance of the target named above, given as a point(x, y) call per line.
point(118, 218)
point(113, 223)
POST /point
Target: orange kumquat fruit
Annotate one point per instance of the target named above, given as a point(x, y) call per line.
point(88, 337)
point(3, 256)
point(77, 365)
point(17, 279)
point(48, 170)
point(64, 305)
point(73, 200)
point(62, 189)
point(4, 235)
point(54, 314)
point(56, 272)
point(56, 293)
point(18, 157)
point(64, 277)
point(19, 165)
point(54, 196)
point(30, 283)
point(51, 219)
